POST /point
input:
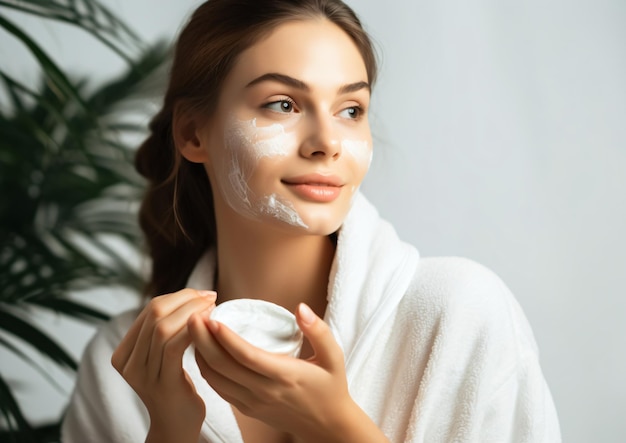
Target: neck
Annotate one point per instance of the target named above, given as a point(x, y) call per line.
point(257, 261)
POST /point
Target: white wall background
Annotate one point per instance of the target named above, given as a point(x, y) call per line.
point(501, 136)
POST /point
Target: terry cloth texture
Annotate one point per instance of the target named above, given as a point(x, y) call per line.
point(437, 350)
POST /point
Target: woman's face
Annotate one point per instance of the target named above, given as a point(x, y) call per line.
point(289, 143)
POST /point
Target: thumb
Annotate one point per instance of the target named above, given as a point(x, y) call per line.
point(327, 352)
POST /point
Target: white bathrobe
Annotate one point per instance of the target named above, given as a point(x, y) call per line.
point(437, 350)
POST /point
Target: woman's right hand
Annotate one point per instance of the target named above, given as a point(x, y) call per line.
point(150, 356)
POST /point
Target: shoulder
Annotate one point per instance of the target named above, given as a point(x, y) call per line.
point(462, 296)
point(474, 353)
point(457, 277)
point(457, 281)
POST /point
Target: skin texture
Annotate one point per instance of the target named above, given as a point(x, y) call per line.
point(309, 78)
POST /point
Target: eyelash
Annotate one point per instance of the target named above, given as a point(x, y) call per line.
point(292, 104)
point(359, 112)
point(281, 101)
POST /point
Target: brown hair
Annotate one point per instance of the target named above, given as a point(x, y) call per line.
point(177, 215)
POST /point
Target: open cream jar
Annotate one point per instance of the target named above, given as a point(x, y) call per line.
point(262, 324)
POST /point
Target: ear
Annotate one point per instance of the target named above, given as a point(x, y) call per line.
point(188, 135)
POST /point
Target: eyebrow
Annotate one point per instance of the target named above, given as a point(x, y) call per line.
point(299, 84)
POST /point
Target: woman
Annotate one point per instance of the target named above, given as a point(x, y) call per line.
point(254, 165)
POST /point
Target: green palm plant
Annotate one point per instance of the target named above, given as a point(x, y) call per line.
point(67, 186)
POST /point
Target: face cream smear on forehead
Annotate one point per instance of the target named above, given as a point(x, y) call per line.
point(247, 145)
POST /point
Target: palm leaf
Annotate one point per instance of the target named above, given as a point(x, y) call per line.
point(57, 77)
point(68, 307)
point(67, 169)
point(34, 364)
point(89, 15)
point(13, 416)
point(23, 330)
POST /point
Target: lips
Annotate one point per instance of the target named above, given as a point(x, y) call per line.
point(315, 187)
point(315, 179)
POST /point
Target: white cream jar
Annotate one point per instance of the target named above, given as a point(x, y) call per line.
point(262, 324)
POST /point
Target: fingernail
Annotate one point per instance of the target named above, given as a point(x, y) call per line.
point(208, 294)
point(306, 314)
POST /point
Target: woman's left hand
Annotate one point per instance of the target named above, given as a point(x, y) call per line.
point(306, 398)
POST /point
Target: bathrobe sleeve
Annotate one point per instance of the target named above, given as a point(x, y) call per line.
point(103, 407)
point(481, 380)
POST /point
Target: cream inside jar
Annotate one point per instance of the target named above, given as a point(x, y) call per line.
point(262, 324)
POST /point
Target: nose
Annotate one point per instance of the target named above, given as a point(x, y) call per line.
point(321, 140)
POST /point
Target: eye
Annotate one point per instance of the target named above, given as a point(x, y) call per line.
point(352, 113)
point(285, 106)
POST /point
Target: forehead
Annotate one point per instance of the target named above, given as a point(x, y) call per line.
point(315, 51)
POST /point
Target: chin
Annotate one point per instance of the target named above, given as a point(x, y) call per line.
point(298, 217)
point(323, 221)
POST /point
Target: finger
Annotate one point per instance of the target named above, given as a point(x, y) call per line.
point(256, 360)
point(234, 393)
point(159, 308)
point(217, 357)
point(125, 347)
point(327, 352)
point(122, 354)
point(171, 367)
point(163, 305)
point(167, 329)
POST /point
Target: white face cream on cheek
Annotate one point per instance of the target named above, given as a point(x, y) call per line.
point(246, 145)
point(282, 209)
point(360, 150)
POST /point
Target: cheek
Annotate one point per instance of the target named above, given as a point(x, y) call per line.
point(266, 172)
point(254, 152)
point(273, 142)
point(252, 160)
point(253, 143)
point(360, 151)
